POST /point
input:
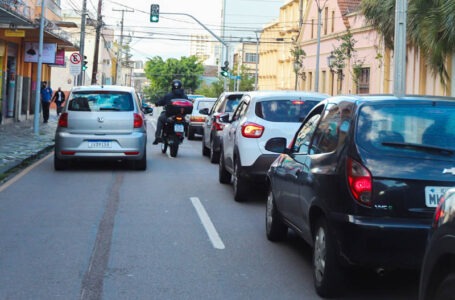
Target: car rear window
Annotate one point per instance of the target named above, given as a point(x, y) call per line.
point(284, 110)
point(204, 104)
point(410, 128)
point(100, 101)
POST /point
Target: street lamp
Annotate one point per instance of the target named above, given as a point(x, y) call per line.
point(331, 63)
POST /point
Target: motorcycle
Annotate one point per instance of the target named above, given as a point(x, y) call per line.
point(174, 128)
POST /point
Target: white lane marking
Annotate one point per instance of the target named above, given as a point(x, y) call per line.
point(23, 172)
point(207, 223)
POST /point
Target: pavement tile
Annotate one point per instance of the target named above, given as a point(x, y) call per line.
point(18, 141)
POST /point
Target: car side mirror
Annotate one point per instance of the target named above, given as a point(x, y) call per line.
point(147, 110)
point(276, 145)
point(204, 111)
point(224, 118)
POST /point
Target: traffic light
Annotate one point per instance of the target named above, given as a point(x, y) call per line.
point(84, 63)
point(154, 13)
point(224, 71)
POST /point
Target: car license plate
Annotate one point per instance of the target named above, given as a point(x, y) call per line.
point(178, 128)
point(99, 144)
point(433, 194)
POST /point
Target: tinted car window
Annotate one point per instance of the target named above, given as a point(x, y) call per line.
point(100, 101)
point(303, 137)
point(403, 128)
point(284, 110)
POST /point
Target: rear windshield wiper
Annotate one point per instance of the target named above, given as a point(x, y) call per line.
point(422, 147)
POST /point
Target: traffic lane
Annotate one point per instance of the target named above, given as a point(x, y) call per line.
point(172, 253)
point(48, 226)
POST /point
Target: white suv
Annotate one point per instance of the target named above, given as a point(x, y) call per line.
point(259, 117)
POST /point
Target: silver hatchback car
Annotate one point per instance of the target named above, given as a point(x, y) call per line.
point(101, 123)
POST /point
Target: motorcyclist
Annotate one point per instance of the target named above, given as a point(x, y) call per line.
point(176, 93)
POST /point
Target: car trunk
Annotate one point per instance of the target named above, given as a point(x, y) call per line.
point(101, 122)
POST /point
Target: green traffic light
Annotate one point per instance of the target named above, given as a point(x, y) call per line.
point(154, 19)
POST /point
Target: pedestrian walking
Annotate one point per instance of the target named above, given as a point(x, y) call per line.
point(46, 95)
point(58, 98)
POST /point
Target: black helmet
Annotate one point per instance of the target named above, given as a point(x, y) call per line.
point(176, 84)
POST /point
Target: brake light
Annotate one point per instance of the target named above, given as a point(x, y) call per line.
point(197, 119)
point(252, 130)
point(297, 102)
point(217, 125)
point(63, 120)
point(138, 121)
point(178, 118)
point(439, 212)
point(360, 182)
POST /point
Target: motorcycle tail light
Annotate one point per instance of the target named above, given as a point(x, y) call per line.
point(63, 120)
point(252, 130)
point(138, 121)
point(360, 182)
point(178, 118)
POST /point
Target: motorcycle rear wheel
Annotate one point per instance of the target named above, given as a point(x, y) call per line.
point(163, 147)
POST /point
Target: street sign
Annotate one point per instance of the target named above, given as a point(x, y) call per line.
point(75, 63)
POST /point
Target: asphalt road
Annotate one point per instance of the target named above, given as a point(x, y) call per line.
point(102, 231)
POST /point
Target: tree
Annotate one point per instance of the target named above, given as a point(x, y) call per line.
point(213, 90)
point(430, 27)
point(161, 73)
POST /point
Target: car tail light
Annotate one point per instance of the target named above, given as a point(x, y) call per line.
point(439, 212)
point(197, 118)
point(360, 182)
point(252, 130)
point(63, 120)
point(131, 153)
point(217, 125)
point(298, 102)
point(138, 121)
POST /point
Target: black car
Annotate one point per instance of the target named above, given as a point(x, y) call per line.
point(361, 180)
point(437, 278)
point(211, 129)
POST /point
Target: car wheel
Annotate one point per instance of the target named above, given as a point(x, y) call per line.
point(190, 133)
point(205, 150)
point(446, 290)
point(214, 155)
point(223, 175)
point(274, 226)
point(140, 165)
point(59, 164)
point(327, 272)
point(240, 183)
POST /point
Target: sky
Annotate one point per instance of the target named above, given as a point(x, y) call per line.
point(170, 36)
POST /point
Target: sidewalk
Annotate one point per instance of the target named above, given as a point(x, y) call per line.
point(19, 143)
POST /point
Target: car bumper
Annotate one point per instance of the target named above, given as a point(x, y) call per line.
point(123, 146)
point(258, 170)
point(380, 242)
point(196, 127)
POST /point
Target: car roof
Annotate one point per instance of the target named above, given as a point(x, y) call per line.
point(116, 88)
point(204, 99)
point(286, 93)
point(361, 99)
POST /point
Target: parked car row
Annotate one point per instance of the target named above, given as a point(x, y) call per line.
point(357, 177)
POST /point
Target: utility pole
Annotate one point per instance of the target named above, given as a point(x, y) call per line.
point(82, 44)
point(99, 24)
point(119, 48)
point(38, 74)
point(399, 55)
point(318, 49)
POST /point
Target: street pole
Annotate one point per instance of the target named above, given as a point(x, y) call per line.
point(318, 49)
point(399, 83)
point(119, 50)
point(99, 23)
point(82, 42)
point(257, 62)
point(36, 117)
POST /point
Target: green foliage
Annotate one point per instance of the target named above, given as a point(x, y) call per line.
point(161, 73)
point(213, 90)
point(430, 27)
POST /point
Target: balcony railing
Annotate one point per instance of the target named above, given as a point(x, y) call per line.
point(17, 7)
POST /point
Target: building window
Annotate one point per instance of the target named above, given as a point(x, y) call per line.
point(250, 57)
point(310, 81)
point(364, 81)
point(326, 19)
point(333, 21)
point(312, 28)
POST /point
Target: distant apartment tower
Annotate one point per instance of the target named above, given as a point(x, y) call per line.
point(204, 47)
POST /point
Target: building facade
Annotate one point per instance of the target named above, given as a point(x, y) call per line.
point(19, 47)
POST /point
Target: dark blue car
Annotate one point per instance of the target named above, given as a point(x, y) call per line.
point(360, 182)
